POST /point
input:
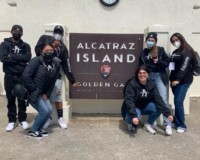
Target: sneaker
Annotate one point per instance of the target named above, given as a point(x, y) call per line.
point(181, 130)
point(24, 125)
point(11, 126)
point(132, 128)
point(168, 130)
point(62, 123)
point(34, 135)
point(43, 133)
point(149, 128)
point(48, 123)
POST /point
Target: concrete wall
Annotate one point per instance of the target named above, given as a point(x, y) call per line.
point(89, 16)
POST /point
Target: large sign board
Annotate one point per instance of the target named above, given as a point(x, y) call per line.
point(102, 63)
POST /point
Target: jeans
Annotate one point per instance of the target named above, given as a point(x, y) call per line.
point(179, 92)
point(150, 109)
point(9, 83)
point(162, 89)
point(44, 109)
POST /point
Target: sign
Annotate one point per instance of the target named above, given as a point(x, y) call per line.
point(102, 63)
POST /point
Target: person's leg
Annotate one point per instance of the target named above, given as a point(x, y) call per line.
point(22, 114)
point(153, 113)
point(44, 112)
point(57, 98)
point(9, 82)
point(179, 92)
point(162, 89)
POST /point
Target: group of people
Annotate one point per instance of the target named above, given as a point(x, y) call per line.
point(146, 92)
point(40, 76)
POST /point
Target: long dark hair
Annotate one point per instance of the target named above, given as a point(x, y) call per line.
point(143, 67)
point(184, 45)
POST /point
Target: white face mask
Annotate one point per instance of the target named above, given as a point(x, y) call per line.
point(177, 44)
point(57, 37)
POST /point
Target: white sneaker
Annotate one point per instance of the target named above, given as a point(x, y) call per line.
point(24, 125)
point(48, 123)
point(62, 123)
point(168, 130)
point(11, 126)
point(149, 128)
point(181, 130)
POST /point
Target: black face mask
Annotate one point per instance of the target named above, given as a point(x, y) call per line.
point(16, 36)
point(48, 56)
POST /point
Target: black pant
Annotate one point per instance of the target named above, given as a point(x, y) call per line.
point(9, 83)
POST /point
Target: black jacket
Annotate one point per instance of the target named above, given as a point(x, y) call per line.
point(183, 66)
point(161, 66)
point(38, 79)
point(14, 56)
point(61, 52)
point(137, 95)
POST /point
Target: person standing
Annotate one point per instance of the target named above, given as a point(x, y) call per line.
point(141, 97)
point(14, 54)
point(181, 77)
point(62, 53)
point(157, 61)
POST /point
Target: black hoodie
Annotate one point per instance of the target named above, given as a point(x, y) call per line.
point(137, 95)
point(14, 56)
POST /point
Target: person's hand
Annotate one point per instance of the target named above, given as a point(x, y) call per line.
point(135, 121)
point(44, 96)
point(155, 59)
point(174, 83)
point(171, 118)
point(56, 44)
point(76, 84)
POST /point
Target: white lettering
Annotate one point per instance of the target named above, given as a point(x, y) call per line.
point(106, 58)
point(131, 46)
point(118, 58)
point(130, 58)
point(85, 58)
point(80, 46)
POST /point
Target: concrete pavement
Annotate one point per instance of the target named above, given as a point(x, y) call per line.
point(101, 137)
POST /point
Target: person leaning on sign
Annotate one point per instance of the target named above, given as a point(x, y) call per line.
point(62, 53)
point(14, 54)
point(141, 97)
point(181, 77)
point(157, 61)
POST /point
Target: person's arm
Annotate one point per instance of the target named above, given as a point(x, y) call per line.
point(25, 57)
point(5, 56)
point(185, 64)
point(29, 72)
point(163, 59)
point(66, 66)
point(129, 99)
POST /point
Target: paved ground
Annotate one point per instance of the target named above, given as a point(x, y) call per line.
point(100, 138)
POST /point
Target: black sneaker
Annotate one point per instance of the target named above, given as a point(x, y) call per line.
point(43, 133)
point(34, 135)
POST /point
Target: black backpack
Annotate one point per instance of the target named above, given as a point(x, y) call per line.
point(196, 64)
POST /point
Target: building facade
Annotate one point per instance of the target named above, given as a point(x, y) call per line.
point(90, 16)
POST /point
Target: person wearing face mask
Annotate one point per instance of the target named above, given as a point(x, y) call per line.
point(14, 54)
point(62, 53)
point(39, 78)
point(157, 61)
point(181, 77)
